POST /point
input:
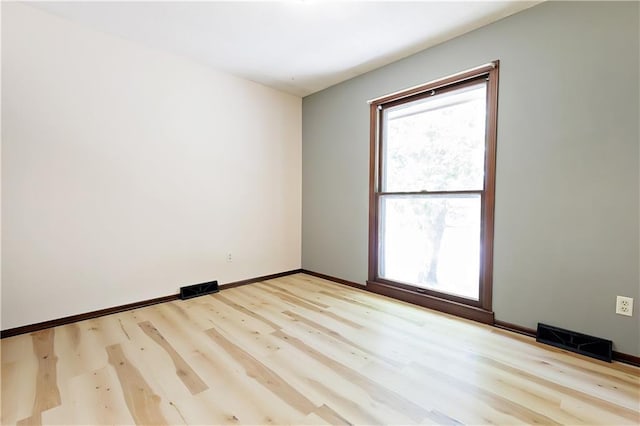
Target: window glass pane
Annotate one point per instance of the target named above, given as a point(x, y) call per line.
point(431, 242)
point(436, 143)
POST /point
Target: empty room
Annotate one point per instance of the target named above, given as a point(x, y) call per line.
point(320, 213)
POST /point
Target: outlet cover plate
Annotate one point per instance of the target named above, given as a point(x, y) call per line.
point(624, 305)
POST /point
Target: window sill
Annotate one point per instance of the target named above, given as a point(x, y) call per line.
point(432, 302)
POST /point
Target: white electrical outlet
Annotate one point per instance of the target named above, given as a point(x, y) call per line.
point(624, 305)
point(229, 257)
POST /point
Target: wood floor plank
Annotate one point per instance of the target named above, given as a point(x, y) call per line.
point(142, 401)
point(18, 388)
point(268, 307)
point(248, 333)
point(337, 336)
point(463, 374)
point(628, 413)
point(302, 350)
point(377, 391)
point(229, 395)
point(498, 402)
point(366, 411)
point(331, 417)
point(14, 349)
point(320, 383)
point(33, 420)
point(233, 397)
point(183, 370)
point(94, 398)
point(335, 349)
point(296, 302)
point(281, 286)
point(47, 392)
point(263, 375)
point(248, 312)
point(228, 313)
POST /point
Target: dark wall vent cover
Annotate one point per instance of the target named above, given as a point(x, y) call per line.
point(594, 347)
point(189, 291)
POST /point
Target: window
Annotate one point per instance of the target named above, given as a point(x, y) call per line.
point(432, 193)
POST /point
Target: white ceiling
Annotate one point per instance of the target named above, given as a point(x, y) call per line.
point(296, 46)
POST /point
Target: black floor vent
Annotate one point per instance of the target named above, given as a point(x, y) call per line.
point(189, 291)
point(594, 347)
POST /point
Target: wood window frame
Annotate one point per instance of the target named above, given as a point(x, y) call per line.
point(480, 310)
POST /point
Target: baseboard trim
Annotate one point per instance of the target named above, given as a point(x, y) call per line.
point(258, 279)
point(515, 328)
point(30, 328)
point(617, 356)
point(334, 279)
point(627, 358)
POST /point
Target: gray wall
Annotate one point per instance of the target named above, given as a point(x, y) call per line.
point(566, 238)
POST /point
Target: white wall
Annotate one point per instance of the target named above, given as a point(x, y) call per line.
point(128, 172)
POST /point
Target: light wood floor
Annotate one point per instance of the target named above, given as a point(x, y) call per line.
point(301, 350)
